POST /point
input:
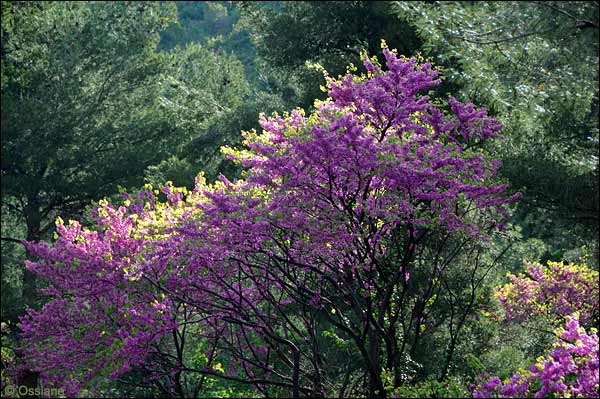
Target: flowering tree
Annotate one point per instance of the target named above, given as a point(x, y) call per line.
point(553, 291)
point(322, 235)
point(569, 370)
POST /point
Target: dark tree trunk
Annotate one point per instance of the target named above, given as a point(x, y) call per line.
point(34, 220)
point(376, 389)
point(296, 374)
point(30, 378)
point(393, 358)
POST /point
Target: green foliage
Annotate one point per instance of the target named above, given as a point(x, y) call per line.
point(79, 95)
point(334, 32)
point(89, 104)
point(288, 34)
point(452, 388)
point(211, 23)
point(8, 361)
point(535, 64)
point(12, 255)
point(199, 21)
point(179, 171)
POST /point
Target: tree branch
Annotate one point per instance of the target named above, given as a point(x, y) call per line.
point(14, 240)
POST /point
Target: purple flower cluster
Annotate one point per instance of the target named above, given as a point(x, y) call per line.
point(554, 290)
point(569, 370)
